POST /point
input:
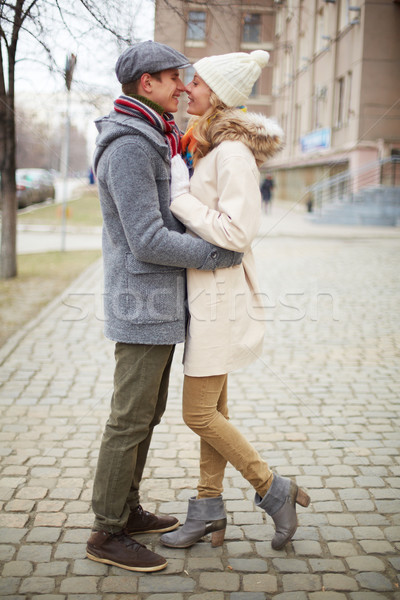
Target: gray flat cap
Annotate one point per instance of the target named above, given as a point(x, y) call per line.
point(147, 57)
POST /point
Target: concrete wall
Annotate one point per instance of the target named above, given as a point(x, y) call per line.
point(380, 86)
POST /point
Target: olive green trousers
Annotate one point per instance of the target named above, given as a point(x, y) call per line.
point(141, 379)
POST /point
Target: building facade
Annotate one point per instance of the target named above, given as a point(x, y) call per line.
point(200, 29)
point(336, 88)
point(333, 81)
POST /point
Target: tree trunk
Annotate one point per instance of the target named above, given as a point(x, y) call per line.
point(7, 171)
point(8, 221)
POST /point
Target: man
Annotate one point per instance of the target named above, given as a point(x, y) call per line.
point(145, 254)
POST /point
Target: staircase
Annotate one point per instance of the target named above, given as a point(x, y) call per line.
point(368, 196)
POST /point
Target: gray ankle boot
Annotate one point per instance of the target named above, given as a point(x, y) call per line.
point(280, 503)
point(205, 515)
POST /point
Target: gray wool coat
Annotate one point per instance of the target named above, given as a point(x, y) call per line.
point(145, 249)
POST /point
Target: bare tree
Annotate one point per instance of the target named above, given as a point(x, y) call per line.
point(11, 22)
point(34, 21)
point(39, 144)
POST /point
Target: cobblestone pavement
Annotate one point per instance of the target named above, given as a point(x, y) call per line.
point(321, 405)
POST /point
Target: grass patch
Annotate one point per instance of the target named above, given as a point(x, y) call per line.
point(84, 212)
point(41, 277)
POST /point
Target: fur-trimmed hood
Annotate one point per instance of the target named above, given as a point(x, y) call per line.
point(263, 136)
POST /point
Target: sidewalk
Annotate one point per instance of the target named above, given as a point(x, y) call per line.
point(322, 405)
point(284, 219)
point(31, 239)
point(43, 238)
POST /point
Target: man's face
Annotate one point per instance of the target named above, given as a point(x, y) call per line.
point(167, 91)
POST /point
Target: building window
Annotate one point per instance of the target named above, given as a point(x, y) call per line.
point(297, 124)
point(288, 66)
point(188, 75)
point(252, 28)
point(289, 9)
point(349, 99)
point(284, 121)
point(319, 38)
point(255, 90)
point(196, 26)
point(279, 22)
point(276, 78)
point(340, 102)
point(315, 119)
point(343, 14)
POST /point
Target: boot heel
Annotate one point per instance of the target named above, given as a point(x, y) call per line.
point(302, 498)
point(217, 538)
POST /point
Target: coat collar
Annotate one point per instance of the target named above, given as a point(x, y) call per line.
point(116, 125)
point(263, 136)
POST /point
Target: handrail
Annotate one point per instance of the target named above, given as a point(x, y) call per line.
point(349, 185)
point(346, 174)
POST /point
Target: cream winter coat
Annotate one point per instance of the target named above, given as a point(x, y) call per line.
point(226, 326)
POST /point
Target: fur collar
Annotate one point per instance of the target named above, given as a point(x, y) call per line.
point(261, 135)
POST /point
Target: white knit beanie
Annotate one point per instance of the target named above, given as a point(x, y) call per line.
point(232, 76)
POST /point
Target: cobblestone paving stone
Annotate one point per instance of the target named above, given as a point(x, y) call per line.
point(321, 405)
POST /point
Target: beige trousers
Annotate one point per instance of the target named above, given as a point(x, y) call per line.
point(205, 411)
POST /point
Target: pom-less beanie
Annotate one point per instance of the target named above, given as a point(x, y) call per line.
point(232, 76)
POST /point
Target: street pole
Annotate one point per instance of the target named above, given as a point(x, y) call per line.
point(69, 70)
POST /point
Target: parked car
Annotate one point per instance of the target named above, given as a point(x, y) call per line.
point(34, 185)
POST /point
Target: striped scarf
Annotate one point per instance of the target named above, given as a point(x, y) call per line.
point(164, 123)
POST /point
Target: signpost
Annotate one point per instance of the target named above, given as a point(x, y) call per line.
point(69, 71)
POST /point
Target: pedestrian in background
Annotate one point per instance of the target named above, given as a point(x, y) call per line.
point(266, 192)
point(222, 204)
point(145, 253)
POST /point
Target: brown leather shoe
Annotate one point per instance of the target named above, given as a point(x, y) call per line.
point(122, 551)
point(141, 521)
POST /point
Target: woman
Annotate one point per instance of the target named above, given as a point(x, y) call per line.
point(222, 204)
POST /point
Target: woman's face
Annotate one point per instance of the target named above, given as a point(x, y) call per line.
point(198, 96)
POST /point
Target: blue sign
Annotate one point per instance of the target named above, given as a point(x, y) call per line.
point(316, 140)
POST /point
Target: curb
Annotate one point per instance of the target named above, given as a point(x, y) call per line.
point(57, 229)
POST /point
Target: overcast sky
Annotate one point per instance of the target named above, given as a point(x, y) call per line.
point(43, 93)
point(96, 53)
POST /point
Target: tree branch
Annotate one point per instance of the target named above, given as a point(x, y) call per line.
point(102, 21)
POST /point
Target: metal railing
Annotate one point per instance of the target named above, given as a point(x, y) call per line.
point(351, 186)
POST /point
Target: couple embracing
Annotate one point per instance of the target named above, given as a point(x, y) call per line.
point(179, 217)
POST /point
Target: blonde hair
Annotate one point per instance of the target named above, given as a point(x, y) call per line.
point(203, 127)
